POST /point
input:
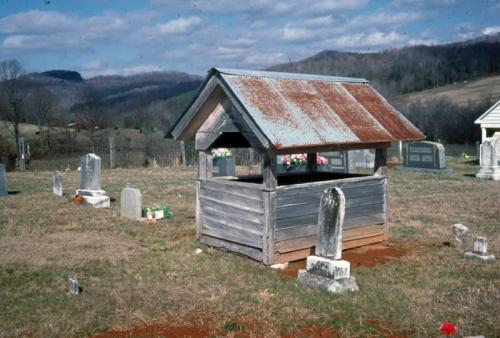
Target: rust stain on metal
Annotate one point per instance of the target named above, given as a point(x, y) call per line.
point(263, 97)
point(294, 112)
point(379, 108)
point(343, 105)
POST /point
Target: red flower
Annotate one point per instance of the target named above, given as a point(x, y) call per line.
point(448, 329)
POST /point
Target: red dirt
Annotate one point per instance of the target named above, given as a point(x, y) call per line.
point(183, 235)
point(160, 331)
point(368, 256)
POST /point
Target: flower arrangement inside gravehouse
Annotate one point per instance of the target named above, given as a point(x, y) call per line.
point(298, 160)
point(221, 153)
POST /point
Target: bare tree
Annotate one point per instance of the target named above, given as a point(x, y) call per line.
point(42, 104)
point(12, 83)
point(90, 112)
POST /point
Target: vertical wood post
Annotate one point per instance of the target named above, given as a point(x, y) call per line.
point(312, 165)
point(204, 173)
point(270, 172)
point(269, 201)
point(380, 167)
point(386, 208)
point(204, 164)
point(112, 152)
point(183, 153)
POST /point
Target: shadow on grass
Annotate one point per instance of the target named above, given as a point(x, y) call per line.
point(14, 192)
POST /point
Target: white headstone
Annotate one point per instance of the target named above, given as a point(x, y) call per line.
point(131, 203)
point(90, 174)
point(3, 181)
point(480, 250)
point(460, 231)
point(489, 169)
point(57, 189)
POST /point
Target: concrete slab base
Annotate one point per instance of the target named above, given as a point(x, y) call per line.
point(88, 192)
point(484, 258)
point(98, 201)
point(340, 286)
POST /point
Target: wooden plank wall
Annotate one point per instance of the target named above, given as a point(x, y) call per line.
point(297, 214)
point(232, 216)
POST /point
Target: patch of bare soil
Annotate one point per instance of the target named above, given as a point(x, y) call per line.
point(368, 255)
point(160, 331)
point(63, 249)
point(183, 235)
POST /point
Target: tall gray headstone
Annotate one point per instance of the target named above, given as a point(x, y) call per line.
point(330, 224)
point(326, 270)
point(425, 156)
point(90, 172)
point(3, 181)
point(131, 203)
point(90, 182)
point(489, 169)
point(57, 189)
point(460, 231)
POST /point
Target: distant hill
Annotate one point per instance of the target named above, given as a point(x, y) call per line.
point(409, 69)
point(118, 94)
point(68, 75)
point(460, 93)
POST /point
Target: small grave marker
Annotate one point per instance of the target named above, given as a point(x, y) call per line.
point(131, 203)
point(3, 181)
point(326, 270)
point(480, 250)
point(57, 189)
point(460, 231)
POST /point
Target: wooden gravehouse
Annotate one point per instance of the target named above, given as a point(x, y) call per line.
point(273, 218)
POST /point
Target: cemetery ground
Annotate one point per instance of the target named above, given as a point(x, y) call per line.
point(139, 274)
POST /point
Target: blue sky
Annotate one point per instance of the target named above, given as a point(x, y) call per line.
point(98, 37)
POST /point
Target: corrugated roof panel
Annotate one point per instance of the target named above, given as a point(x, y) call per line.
point(301, 110)
point(392, 121)
point(290, 112)
point(365, 126)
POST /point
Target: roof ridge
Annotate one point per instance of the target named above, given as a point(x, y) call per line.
point(294, 76)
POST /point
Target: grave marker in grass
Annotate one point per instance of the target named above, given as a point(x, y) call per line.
point(326, 270)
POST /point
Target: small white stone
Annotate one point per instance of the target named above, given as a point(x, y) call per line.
point(198, 251)
point(330, 268)
point(281, 266)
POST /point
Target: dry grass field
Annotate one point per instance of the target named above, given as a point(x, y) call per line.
point(461, 93)
point(136, 274)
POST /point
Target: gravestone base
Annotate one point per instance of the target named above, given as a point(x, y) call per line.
point(445, 171)
point(98, 201)
point(479, 256)
point(342, 285)
point(90, 192)
point(330, 268)
point(489, 173)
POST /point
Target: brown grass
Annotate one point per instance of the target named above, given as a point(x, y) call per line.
point(135, 273)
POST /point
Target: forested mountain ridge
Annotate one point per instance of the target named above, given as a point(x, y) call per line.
point(409, 69)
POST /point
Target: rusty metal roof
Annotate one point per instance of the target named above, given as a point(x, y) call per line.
point(299, 110)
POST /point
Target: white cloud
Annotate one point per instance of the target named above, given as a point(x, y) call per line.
point(319, 21)
point(364, 40)
point(264, 58)
point(296, 34)
point(266, 8)
point(125, 71)
point(491, 30)
point(179, 26)
point(36, 42)
point(35, 21)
